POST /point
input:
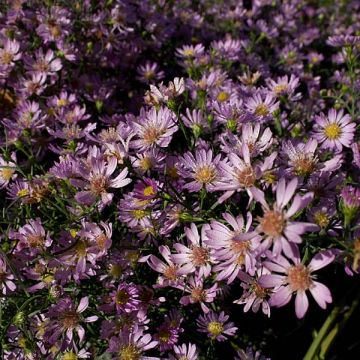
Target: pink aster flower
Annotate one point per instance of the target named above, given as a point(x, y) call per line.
point(65, 319)
point(235, 246)
point(154, 128)
point(297, 278)
point(276, 225)
point(171, 272)
point(149, 72)
point(195, 287)
point(196, 256)
point(285, 86)
point(183, 351)
point(32, 237)
point(6, 278)
point(262, 106)
point(203, 170)
point(98, 181)
point(125, 298)
point(250, 354)
point(131, 344)
point(7, 170)
point(216, 326)
point(9, 54)
point(334, 130)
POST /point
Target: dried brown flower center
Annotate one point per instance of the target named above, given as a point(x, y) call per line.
point(171, 272)
point(304, 164)
point(198, 294)
point(98, 184)
point(122, 297)
point(246, 177)
point(35, 240)
point(70, 319)
point(152, 134)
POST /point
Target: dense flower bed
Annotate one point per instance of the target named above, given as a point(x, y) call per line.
point(166, 163)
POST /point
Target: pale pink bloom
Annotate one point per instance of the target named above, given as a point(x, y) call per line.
point(297, 278)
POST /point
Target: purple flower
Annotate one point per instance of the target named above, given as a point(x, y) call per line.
point(98, 181)
point(65, 318)
point(297, 278)
point(235, 248)
point(275, 224)
point(132, 344)
point(335, 130)
point(261, 107)
point(216, 326)
point(203, 170)
point(285, 86)
point(7, 171)
point(149, 72)
point(6, 278)
point(250, 354)
point(154, 128)
point(195, 257)
point(9, 54)
point(126, 298)
point(183, 351)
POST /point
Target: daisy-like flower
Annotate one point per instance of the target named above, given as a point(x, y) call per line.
point(171, 272)
point(149, 72)
point(297, 278)
point(216, 326)
point(168, 332)
point(9, 54)
point(195, 256)
point(254, 295)
point(334, 130)
point(250, 354)
point(190, 51)
point(284, 86)
point(195, 120)
point(184, 352)
point(154, 128)
point(46, 64)
point(197, 293)
point(7, 170)
point(126, 298)
point(131, 344)
point(203, 169)
point(98, 181)
point(65, 318)
point(235, 248)
point(32, 236)
point(262, 106)
point(6, 278)
point(276, 225)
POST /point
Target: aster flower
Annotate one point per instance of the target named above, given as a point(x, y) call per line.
point(46, 64)
point(190, 51)
point(343, 40)
point(125, 298)
point(334, 130)
point(132, 344)
point(276, 225)
point(65, 318)
point(149, 72)
point(216, 326)
point(198, 293)
point(7, 170)
point(171, 272)
point(98, 181)
point(203, 170)
point(249, 354)
point(9, 54)
point(32, 237)
point(6, 278)
point(297, 278)
point(196, 256)
point(284, 86)
point(235, 248)
point(154, 128)
point(195, 120)
point(184, 351)
point(262, 108)
point(168, 332)
point(254, 295)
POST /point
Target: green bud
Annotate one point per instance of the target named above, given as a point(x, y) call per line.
point(172, 104)
point(99, 105)
point(19, 318)
point(197, 130)
point(231, 125)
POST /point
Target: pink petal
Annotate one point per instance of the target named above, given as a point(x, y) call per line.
point(301, 304)
point(321, 294)
point(281, 297)
point(321, 259)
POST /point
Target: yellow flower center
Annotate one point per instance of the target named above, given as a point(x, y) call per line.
point(69, 356)
point(61, 102)
point(129, 352)
point(332, 131)
point(115, 270)
point(215, 328)
point(6, 173)
point(149, 191)
point(321, 219)
point(205, 174)
point(189, 52)
point(261, 110)
point(122, 297)
point(223, 96)
point(7, 58)
point(278, 89)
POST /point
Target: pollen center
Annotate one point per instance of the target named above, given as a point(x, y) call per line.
point(129, 352)
point(272, 223)
point(261, 110)
point(246, 177)
point(205, 174)
point(215, 328)
point(332, 131)
point(122, 297)
point(299, 278)
point(6, 173)
point(199, 256)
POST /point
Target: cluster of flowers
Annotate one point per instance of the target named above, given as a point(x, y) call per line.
point(134, 209)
